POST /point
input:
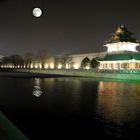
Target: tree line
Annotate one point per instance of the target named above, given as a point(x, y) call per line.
point(40, 59)
point(43, 58)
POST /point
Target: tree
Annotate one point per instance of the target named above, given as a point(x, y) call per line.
point(43, 55)
point(28, 58)
point(12, 60)
point(6, 60)
point(66, 61)
point(94, 63)
point(16, 60)
point(58, 61)
point(85, 62)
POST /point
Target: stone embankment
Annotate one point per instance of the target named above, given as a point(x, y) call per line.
point(93, 73)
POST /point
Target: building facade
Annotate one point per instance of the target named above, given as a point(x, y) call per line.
point(121, 53)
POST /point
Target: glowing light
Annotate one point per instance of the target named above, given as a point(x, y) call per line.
point(87, 67)
point(67, 66)
point(75, 66)
point(37, 12)
point(31, 66)
point(52, 66)
point(59, 66)
point(36, 66)
point(40, 66)
point(122, 46)
point(37, 89)
point(123, 64)
point(46, 66)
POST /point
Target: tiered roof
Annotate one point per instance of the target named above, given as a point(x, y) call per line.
point(123, 55)
point(121, 35)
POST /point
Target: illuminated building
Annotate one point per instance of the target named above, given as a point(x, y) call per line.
point(121, 51)
point(121, 54)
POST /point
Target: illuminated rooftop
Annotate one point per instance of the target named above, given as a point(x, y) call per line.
point(121, 35)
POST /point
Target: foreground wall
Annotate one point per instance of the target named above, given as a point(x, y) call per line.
point(122, 74)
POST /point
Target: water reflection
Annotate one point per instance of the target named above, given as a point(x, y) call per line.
point(118, 101)
point(118, 104)
point(37, 90)
point(105, 108)
point(70, 95)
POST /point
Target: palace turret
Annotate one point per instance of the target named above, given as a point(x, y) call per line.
point(121, 40)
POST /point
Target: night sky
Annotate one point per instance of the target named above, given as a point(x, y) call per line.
point(65, 27)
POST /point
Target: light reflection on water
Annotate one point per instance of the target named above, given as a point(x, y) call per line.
point(106, 107)
point(118, 101)
point(118, 105)
point(37, 89)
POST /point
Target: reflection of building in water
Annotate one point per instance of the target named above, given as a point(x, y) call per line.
point(118, 102)
point(37, 90)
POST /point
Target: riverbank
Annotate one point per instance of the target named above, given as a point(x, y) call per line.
point(92, 73)
point(8, 131)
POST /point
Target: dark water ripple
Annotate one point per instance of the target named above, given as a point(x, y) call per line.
point(82, 106)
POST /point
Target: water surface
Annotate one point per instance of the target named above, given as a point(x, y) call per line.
point(40, 107)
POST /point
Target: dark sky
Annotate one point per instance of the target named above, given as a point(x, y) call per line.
point(66, 26)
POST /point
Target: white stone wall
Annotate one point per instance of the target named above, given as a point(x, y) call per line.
point(122, 46)
point(77, 59)
point(121, 64)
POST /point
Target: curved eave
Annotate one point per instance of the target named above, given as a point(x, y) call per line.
point(134, 43)
point(117, 59)
point(122, 56)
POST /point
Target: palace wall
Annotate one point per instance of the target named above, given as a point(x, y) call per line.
point(77, 58)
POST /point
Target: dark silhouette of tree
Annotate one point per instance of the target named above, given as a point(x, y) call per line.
point(85, 62)
point(43, 55)
point(16, 60)
point(94, 63)
point(6, 60)
point(28, 58)
point(13, 60)
point(58, 61)
point(66, 60)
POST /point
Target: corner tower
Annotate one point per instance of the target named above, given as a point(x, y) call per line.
point(121, 40)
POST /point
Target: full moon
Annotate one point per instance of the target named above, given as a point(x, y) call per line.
point(37, 12)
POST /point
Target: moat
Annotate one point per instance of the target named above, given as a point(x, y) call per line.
point(42, 107)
